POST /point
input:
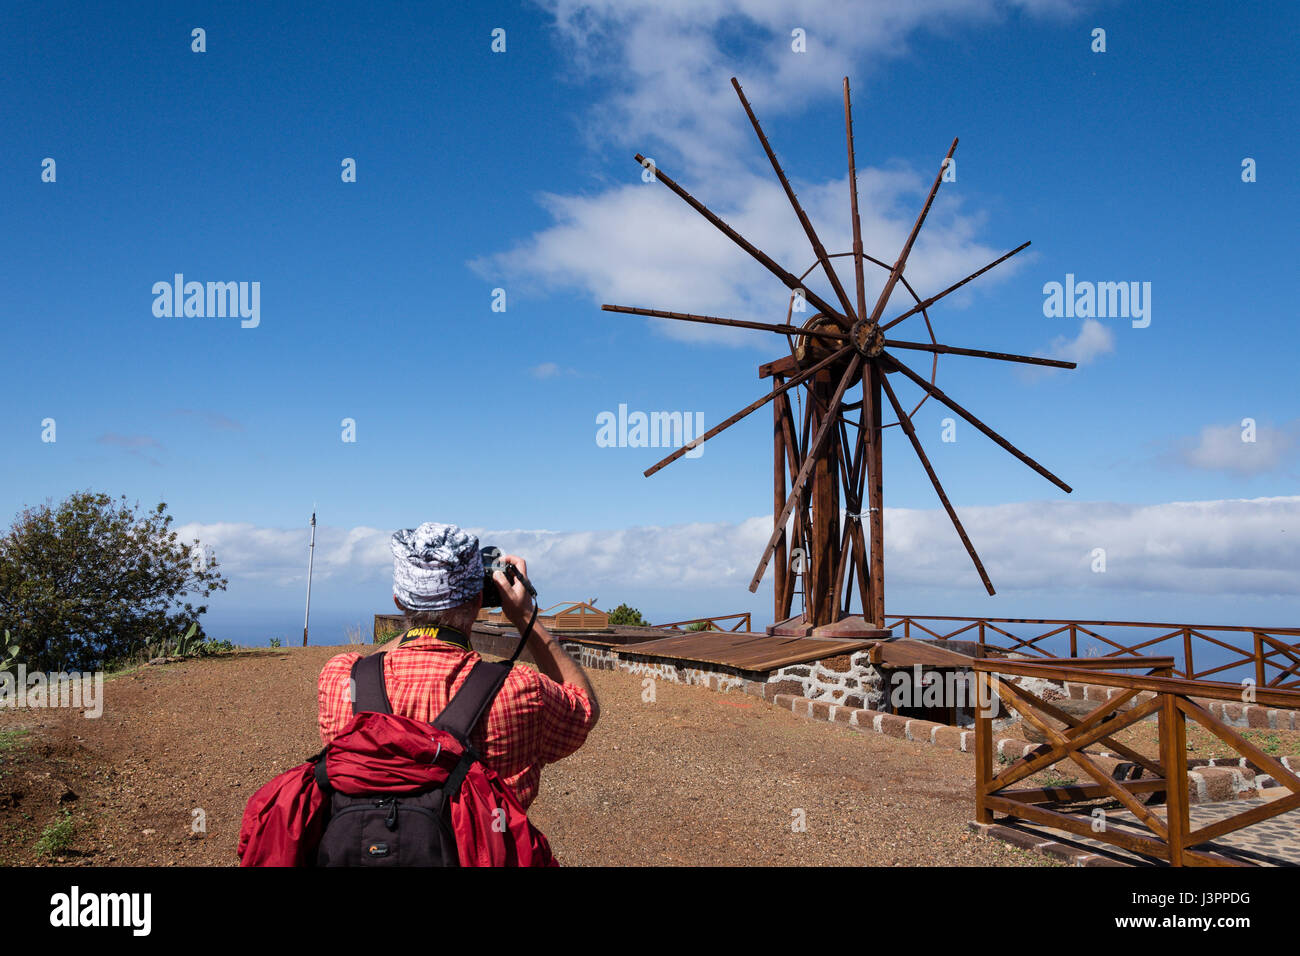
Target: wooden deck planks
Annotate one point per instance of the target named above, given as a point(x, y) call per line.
point(906, 652)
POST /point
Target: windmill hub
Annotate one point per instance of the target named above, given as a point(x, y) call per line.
point(812, 346)
point(868, 337)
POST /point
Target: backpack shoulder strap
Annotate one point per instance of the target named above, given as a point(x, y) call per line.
point(471, 702)
point(368, 681)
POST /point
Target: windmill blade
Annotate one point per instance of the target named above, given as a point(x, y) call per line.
point(810, 459)
point(751, 407)
point(901, 264)
point(978, 353)
point(952, 288)
point(934, 480)
point(791, 282)
point(782, 328)
point(938, 394)
point(853, 204)
point(818, 249)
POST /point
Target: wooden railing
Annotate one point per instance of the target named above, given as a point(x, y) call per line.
point(1269, 655)
point(1168, 838)
point(743, 623)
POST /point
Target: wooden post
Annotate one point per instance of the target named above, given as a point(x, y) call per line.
point(1259, 659)
point(817, 577)
point(875, 490)
point(778, 503)
point(1173, 740)
point(983, 745)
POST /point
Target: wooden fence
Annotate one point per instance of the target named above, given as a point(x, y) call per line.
point(743, 623)
point(1168, 838)
point(1269, 655)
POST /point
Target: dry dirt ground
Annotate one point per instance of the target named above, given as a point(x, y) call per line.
point(694, 778)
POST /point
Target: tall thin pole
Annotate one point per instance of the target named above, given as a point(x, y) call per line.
point(871, 417)
point(311, 555)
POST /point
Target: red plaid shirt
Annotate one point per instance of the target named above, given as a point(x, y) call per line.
point(532, 722)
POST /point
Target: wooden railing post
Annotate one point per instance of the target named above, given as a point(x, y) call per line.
point(983, 745)
point(1189, 671)
point(1259, 659)
point(1074, 640)
point(1173, 753)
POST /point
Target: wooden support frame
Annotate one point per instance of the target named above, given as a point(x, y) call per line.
point(1170, 838)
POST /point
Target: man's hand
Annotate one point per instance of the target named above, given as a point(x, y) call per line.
point(515, 600)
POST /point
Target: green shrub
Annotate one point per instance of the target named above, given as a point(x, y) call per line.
point(91, 581)
point(625, 616)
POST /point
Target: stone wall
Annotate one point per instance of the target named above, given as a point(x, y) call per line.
point(846, 680)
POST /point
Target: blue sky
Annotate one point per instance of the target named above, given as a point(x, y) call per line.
point(479, 170)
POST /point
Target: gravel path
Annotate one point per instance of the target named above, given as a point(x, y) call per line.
point(692, 778)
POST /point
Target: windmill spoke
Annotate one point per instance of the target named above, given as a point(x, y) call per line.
point(752, 407)
point(810, 459)
point(978, 353)
point(818, 248)
point(791, 282)
point(952, 288)
point(897, 270)
point(934, 480)
point(938, 394)
point(853, 204)
point(782, 328)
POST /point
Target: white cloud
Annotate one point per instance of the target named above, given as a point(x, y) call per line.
point(1094, 339)
point(1225, 448)
point(667, 66)
point(1227, 547)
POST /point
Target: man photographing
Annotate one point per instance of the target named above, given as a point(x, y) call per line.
point(538, 717)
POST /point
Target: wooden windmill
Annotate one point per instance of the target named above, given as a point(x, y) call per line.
point(832, 462)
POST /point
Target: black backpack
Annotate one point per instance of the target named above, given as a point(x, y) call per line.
point(413, 829)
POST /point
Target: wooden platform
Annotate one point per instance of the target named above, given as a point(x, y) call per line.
point(744, 651)
point(907, 652)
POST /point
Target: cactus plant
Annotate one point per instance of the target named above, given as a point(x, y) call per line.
point(10, 654)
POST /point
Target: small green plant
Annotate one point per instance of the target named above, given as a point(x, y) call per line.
point(56, 839)
point(11, 738)
point(1269, 743)
point(186, 645)
point(698, 626)
point(275, 642)
point(190, 644)
point(1051, 778)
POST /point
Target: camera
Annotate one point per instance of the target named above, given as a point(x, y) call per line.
point(491, 557)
